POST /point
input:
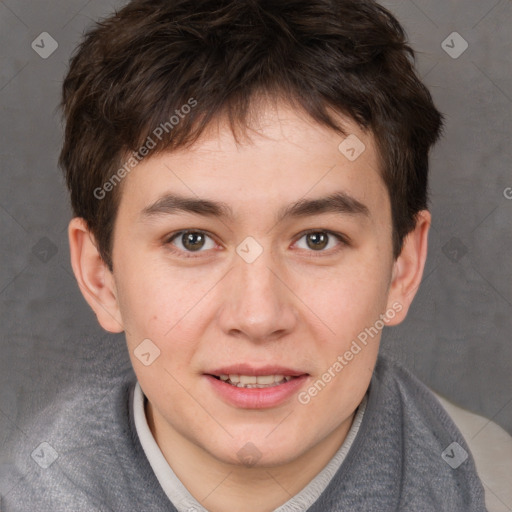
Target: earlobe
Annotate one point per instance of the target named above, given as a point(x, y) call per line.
point(94, 278)
point(408, 267)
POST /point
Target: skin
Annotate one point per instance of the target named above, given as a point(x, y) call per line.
point(294, 305)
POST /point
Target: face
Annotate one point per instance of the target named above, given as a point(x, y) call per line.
point(267, 258)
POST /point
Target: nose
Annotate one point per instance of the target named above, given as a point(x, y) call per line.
point(257, 303)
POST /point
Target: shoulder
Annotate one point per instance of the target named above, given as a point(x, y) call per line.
point(477, 443)
point(436, 467)
point(407, 455)
point(420, 409)
point(81, 453)
point(61, 456)
point(491, 447)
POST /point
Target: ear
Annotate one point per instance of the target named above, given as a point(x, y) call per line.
point(94, 278)
point(408, 268)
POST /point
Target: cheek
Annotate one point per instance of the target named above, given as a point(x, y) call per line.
point(346, 298)
point(160, 302)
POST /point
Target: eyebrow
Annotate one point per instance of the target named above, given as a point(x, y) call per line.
point(172, 204)
point(338, 202)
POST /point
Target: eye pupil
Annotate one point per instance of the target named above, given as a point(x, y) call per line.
point(192, 240)
point(317, 241)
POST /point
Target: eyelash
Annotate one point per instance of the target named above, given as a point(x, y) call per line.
point(344, 241)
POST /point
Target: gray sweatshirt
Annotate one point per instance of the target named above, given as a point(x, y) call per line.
point(82, 453)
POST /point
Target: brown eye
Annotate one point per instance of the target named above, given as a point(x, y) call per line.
point(321, 241)
point(192, 241)
point(317, 241)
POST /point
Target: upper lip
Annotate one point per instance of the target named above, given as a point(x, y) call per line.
point(247, 369)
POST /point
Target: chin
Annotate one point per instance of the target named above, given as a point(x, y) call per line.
point(258, 452)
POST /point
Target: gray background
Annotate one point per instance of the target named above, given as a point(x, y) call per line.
point(457, 336)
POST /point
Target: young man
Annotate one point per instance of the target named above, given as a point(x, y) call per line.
point(249, 184)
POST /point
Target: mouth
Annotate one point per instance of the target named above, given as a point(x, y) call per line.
point(254, 381)
point(248, 387)
point(248, 376)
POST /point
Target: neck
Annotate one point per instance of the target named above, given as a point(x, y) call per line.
point(223, 487)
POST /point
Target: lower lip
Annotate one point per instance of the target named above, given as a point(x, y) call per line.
point(256, 398)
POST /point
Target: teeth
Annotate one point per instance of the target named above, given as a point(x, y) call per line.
point(253, 381)
point(266, 379)
point(248, 379)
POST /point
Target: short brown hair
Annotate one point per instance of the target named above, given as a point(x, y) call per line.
point(135, 69)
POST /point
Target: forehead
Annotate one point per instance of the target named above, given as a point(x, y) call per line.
point(282, 157)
